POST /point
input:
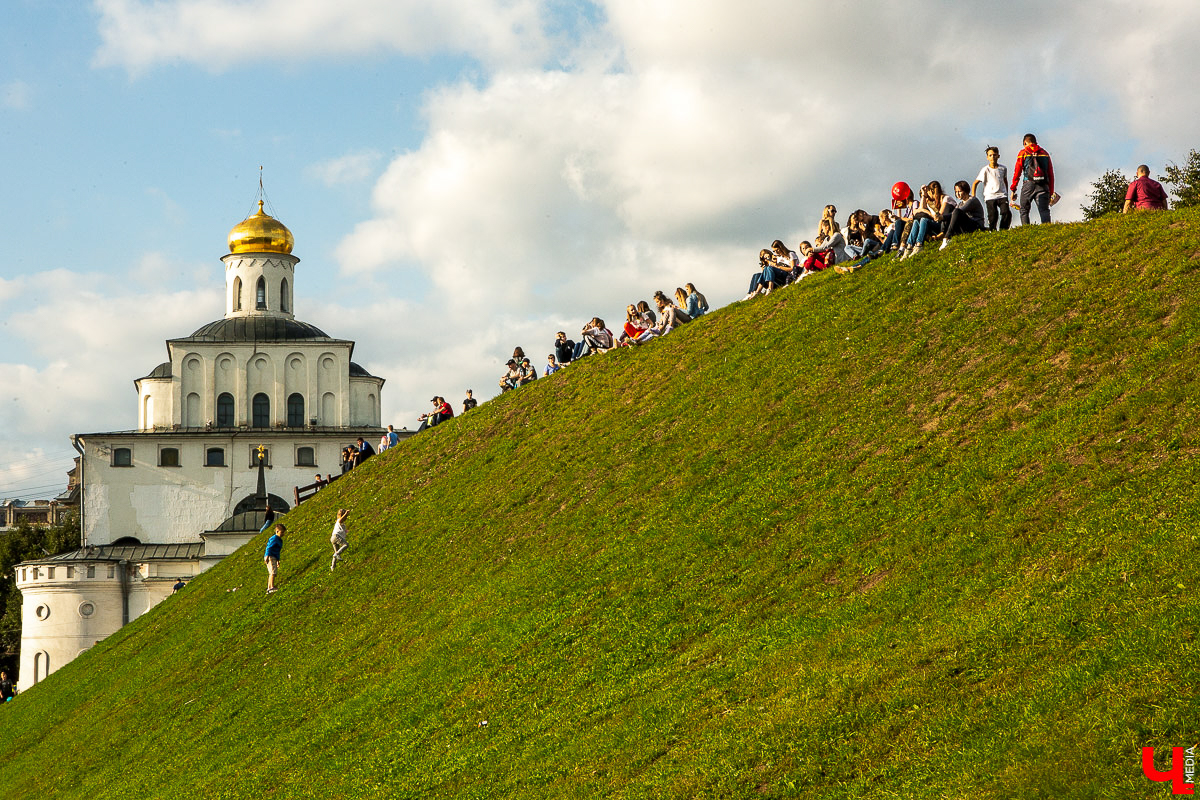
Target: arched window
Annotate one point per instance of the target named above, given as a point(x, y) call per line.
point(295, 410)
point(260, 295)
point(192, 410)
point(168, 457)
point(122, 457)
point(306, 457)
point(225, 410)
point(237, 294)
point(214, 457)
point(41, 666)
point(285, 302)
point(261, 407)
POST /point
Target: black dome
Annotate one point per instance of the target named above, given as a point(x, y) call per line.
point(163, 370)
point(256, 329)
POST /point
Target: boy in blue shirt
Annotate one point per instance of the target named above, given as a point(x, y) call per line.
point(271, 556)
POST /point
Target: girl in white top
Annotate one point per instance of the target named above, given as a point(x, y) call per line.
point(338, 539)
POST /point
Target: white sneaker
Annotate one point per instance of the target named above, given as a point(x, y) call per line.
point(945, 244)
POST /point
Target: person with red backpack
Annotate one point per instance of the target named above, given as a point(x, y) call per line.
point(1035, 175)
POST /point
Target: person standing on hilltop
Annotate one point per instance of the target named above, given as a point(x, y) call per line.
point(469, 401)
point(271, 556)
point(338, 537)
point(994, 177)
point(1034, 173)
point(1145, 193)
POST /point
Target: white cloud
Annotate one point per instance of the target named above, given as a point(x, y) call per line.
point(674, 140)
point(685, 136)
point(218, 34)
point(353, 167)
point(74, 343)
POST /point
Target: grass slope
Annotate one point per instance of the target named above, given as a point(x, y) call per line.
point(922, 531)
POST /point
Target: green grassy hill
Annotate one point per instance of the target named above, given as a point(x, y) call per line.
point(922, 531)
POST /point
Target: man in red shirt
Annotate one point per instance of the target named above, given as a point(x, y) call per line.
point(1145, 193)
point(1035, 175)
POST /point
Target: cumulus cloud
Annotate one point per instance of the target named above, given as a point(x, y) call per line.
point(73, 344)
point(217, 34)
point(679, 138)
point(671, 140)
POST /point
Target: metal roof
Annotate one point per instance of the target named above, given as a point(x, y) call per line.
point(127, 552)
point(256, 329)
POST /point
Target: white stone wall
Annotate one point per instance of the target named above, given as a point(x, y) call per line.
point(64, 611)
point(242, 270)
point(169, 505)
point(56, 625)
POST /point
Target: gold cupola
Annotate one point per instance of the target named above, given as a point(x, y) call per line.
point(260, 233)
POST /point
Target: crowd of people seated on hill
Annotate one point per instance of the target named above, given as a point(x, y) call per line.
point(642, 323)
point(912, 220)
point(915, 219)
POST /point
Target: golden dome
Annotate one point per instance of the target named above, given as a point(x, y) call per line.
point(260, 233)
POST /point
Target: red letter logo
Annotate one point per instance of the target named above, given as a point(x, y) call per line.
point(1175, 775)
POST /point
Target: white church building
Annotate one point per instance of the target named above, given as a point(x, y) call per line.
point(174, 496)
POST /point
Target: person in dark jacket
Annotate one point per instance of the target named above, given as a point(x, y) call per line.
point(365, 451)
point(1034, 173)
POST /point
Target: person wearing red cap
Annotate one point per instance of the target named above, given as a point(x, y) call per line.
point(902, 211)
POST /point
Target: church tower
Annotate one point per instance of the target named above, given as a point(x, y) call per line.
point(260, 270)
point(165, 501)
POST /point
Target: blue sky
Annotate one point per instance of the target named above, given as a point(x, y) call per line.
point(465, 176)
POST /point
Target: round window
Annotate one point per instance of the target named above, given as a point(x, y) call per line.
point(86, 609)
point(42, 611)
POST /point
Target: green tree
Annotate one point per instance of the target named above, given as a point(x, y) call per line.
point(1184, 181)
point(1108, 195)
point(21, 544)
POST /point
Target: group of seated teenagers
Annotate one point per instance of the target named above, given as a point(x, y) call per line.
point(913, 219)
point(641, 325)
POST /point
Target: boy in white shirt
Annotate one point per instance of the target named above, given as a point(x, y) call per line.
point(994, 178)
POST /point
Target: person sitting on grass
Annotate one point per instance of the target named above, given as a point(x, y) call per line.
point(528, 372)
point(511, 377)
point(967, 216)
point(786, 259)
point(596, 339)
point(696, 304)
point(684, 301)
point(771, 275)
point(863, 235)
point(564, 348)
point(926, 218)
point(551, 367)
point(635, 325)
point(902, 212)
point(670, 316)
point(1144, 193)
point(831, 243)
